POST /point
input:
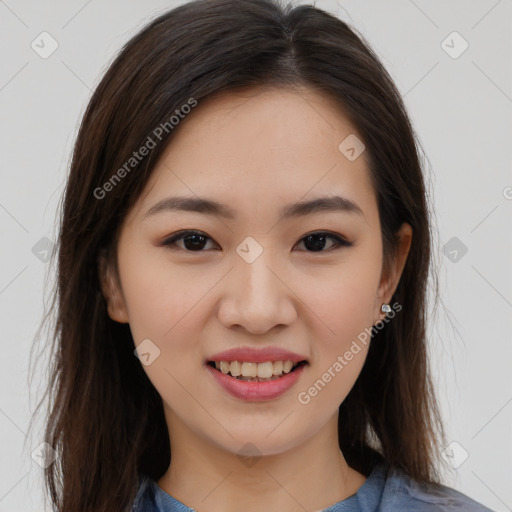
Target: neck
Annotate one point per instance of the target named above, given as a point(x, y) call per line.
point(311, 476)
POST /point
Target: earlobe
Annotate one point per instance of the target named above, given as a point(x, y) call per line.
point(110, 288)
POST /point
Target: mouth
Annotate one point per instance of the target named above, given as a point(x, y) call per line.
point(256, 372)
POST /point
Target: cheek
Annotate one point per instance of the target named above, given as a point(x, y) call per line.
point(163, 304)
point(343, 316)
point(159, 295)
point(342, 298)
point(340, 342)
point(168, 305)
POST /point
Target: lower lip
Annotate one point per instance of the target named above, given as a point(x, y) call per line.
point(256, 391)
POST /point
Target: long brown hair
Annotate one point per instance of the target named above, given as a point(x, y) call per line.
point(105, 419)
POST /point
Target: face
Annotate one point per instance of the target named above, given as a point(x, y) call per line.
point(307, 281)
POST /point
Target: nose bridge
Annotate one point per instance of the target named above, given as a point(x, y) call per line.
point(257, 297)
point(255, 265)
point(255, 256)
point(259, 277)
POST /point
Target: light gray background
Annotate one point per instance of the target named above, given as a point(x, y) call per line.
point(461, 109)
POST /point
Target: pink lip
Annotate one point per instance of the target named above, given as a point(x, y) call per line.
point(256, 391)
point(257, 355)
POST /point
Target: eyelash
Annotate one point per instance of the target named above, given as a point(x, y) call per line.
point(170, 242)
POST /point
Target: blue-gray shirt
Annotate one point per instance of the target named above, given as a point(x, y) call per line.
point(384, 490)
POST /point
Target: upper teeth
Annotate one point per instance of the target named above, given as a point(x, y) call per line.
point(262, 370)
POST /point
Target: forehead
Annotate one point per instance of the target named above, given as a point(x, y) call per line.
point(259, 146)
point(296, 119)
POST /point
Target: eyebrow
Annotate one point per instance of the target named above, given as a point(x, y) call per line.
point(210, 207)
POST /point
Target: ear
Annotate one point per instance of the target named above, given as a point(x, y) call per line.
point(111, 290)
point(391, 276)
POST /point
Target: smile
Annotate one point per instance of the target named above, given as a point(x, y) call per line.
point(256, 372)
point(251, 381)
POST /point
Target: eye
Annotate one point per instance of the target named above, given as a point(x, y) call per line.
point(316, 241)
point(193, 241)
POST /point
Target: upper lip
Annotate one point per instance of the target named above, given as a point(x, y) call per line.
point(257, 355)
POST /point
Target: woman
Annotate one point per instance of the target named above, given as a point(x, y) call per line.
point(242, 277)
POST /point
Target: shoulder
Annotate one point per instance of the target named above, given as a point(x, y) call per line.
point(403, 493)
point(151, 498)
point(144, 500)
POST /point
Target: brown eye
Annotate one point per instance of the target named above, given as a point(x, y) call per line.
point(316, 242)
point(193, 241)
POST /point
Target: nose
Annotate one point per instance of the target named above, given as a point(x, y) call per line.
point(257, 297)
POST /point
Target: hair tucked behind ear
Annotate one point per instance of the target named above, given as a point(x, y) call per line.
point(105, 418)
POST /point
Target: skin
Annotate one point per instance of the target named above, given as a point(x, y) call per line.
point(254, 150)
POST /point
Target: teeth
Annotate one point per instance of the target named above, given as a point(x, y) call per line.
point(235, 368)
point(249, 369)
point(287, 366)
point(277, 368)
point(265, 370)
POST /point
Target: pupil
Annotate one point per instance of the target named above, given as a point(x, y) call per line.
point(316, 245)
point(196, 241)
